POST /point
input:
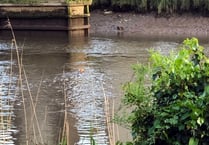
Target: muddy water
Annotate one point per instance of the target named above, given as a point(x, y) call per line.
point(79, 72)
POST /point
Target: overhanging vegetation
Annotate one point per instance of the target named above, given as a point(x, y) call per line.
point(160, 6)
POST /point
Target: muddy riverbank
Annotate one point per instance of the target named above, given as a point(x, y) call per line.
point(132, 24)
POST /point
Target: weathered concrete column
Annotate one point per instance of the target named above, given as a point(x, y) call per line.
point(78, 22)
point(36, 17)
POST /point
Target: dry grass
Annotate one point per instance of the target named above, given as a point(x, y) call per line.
point(112, 128)
point(22, 76)
point(63, 140)
point(30, 118)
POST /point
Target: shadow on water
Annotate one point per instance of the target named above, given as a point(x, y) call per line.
point(67, 79)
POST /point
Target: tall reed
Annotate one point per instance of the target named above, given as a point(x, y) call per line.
point(22, 76)
point(20, 80)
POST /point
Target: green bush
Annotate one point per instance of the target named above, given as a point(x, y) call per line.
point(169, 98)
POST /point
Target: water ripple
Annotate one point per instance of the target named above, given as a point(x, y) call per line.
point(7, 99)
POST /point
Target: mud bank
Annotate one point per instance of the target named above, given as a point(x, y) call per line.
point(131, 24)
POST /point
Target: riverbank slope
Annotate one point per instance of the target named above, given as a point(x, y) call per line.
point(132, 24)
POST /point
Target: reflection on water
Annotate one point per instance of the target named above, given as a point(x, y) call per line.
point(98, 63)
point(91, 68)
point(43, 60)
point(7, 97)
point(44, 100)
point(84, 94)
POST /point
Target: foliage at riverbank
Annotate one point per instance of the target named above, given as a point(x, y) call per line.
point(42, 1)
point(78, 1)
point(22, 1)
point(173, 108)
point(143, 6)
point(160, 6)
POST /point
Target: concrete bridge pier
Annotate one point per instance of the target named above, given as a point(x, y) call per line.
point(78, 21)
point(72, 16)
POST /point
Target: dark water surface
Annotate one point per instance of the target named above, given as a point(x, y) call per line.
point(79, 72)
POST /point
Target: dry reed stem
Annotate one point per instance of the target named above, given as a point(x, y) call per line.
point(20, 77)
point(33, 105)
point(64, 131)
point(2, 117)
point(113, 124)
point(10, 82)
point(110, 127)
point(34, 132)
point(118, 137)
point(5, 120)
point(9, 118)
point(92, 128)
point(20, 82)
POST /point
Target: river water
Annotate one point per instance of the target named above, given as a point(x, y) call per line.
point(65, 82)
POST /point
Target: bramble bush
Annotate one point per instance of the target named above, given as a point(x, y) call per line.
point(169, 98)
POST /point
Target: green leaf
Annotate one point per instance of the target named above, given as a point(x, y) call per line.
point(193, 141)
point(200, 121)
point(119, 143)
point(185, 116)
point(181, 127)
point(157, 124)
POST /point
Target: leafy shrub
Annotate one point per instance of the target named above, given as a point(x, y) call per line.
point(170, 98)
